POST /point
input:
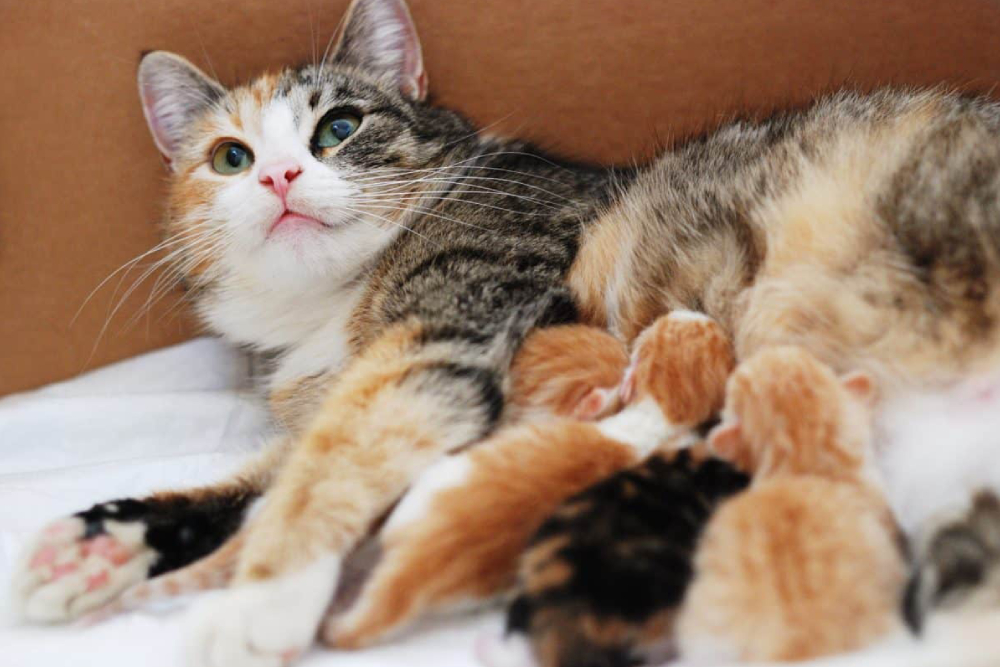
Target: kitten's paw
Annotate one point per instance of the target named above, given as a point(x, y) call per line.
point(266, 624)
point(79, 563)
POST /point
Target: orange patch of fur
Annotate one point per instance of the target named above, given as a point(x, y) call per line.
point(557, 367)
point(683, 363)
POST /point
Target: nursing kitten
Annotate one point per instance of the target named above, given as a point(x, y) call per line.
point(392, 259)
point(808, 562)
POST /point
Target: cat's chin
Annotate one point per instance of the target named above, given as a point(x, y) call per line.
point(290, 222)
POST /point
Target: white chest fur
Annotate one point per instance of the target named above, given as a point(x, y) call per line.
point(309, 325)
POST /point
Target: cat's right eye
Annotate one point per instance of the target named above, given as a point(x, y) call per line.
point(231, 157)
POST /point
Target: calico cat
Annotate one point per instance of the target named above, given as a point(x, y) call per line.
point(808, 562)
point(392, 259)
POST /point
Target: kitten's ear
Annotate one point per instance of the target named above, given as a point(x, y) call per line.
point(379, 35)
point(726, 440)
point(173, 93)
point(599, 402)
point(861, 385)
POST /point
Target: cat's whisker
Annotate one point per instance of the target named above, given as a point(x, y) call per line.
point(483, 189)
point(430, 213)
point(462, 174)
point(393, 223)
point(190, 243)
point(377, 173)
point(484, 183)
point(127, 266)
point(423, 210)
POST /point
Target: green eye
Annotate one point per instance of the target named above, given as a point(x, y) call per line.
point(231, 158)
point(334, 129)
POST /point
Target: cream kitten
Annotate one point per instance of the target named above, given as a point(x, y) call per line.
point(808, 561)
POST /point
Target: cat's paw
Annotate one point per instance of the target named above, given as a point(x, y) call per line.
point(79, 563)
point(266, 624)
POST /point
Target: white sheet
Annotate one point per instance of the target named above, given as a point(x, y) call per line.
point(182, 416)
point(176, 417)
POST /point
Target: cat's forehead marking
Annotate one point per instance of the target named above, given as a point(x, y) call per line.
point(280, 129)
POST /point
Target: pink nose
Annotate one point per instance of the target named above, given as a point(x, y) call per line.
point(279, 174)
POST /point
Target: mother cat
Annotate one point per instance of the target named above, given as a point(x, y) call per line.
point(391, 259)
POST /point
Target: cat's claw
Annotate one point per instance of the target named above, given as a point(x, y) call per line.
point(266, 624)
point(76, 565)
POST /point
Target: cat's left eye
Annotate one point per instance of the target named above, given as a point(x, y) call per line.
point(335, 128)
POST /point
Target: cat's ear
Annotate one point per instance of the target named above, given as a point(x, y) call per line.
point(861, 385)
point(599, 402)
point(379, 35)
point(726, 440)
point(173, 93)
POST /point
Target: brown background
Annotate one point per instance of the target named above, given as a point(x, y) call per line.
point(80, 180)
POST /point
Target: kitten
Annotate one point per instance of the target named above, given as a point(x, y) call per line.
point(807, 562)
point(391, 259)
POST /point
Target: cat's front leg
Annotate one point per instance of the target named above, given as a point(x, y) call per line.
point(399, 407)
point(81, 562)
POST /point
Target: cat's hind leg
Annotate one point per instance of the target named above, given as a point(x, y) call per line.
point(959, 566)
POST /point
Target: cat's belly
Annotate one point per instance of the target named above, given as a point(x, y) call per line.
point(937, 447)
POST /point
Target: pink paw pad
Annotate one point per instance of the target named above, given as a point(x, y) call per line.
point(109, 548)
point(95, 581)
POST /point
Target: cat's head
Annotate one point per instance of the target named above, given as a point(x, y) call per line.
point(788, 413)
point(301, 177)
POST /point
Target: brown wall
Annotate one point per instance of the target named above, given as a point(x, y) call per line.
point(80, 180)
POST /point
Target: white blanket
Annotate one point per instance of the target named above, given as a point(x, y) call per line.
point(180, 417)
point(173, 418)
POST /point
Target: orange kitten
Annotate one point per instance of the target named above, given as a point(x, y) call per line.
point(457, 536)
point(807, 562)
